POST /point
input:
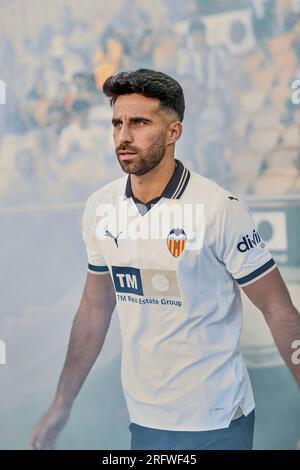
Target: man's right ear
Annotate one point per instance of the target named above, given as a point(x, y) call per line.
point(174, 132)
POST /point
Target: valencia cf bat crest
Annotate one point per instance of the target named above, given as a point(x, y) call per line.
point(176, 241)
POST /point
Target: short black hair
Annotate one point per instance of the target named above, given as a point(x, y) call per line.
point(147, 83)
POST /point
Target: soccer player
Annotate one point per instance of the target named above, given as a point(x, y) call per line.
point(172, 249)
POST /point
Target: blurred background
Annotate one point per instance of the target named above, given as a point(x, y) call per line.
point(238, 62)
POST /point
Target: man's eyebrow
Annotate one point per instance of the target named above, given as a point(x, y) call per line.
point(140, 118)
point(132, 119)
point(115, 121)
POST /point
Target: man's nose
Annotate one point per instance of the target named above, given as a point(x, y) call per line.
point(125, 134)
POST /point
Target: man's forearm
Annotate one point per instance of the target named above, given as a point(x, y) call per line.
point(285, 328)
point(86, 340)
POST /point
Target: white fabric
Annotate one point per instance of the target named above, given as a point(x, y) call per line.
point(181, 321)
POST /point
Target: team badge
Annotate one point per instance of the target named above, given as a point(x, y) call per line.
point(176, 241)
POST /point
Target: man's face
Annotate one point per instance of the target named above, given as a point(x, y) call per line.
point(140, 132)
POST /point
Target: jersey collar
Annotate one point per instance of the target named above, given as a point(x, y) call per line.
point(175, 186)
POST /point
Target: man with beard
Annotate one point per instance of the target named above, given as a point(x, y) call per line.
point(177, 286)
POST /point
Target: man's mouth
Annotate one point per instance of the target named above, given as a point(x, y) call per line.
point(126, 155)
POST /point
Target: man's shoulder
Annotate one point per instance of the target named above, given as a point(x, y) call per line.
point(109, 192)
point(205, 189)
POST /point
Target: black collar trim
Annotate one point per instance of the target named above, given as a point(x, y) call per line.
point(175, 186)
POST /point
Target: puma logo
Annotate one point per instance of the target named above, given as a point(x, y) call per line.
point(110, 235)
point(233, 198)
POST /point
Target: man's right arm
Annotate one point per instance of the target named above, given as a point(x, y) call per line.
point(87, 337)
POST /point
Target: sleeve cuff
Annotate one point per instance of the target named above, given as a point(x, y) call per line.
point(97, 269)
point(257, 274)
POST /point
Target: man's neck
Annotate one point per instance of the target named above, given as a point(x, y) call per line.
point(150, 185)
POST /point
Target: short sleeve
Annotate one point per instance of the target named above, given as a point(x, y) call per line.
point(96, 262)
point(240, 246)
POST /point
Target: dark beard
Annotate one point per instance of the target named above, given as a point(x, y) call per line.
point(147, 162)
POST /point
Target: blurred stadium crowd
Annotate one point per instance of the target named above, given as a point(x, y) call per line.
point(236, 65)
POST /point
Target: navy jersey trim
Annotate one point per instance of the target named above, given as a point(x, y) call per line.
point(179, 191)
point(98, 269)
point(174, 189)
point(258, 272)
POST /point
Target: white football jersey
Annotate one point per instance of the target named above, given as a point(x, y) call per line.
point(176, 272)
